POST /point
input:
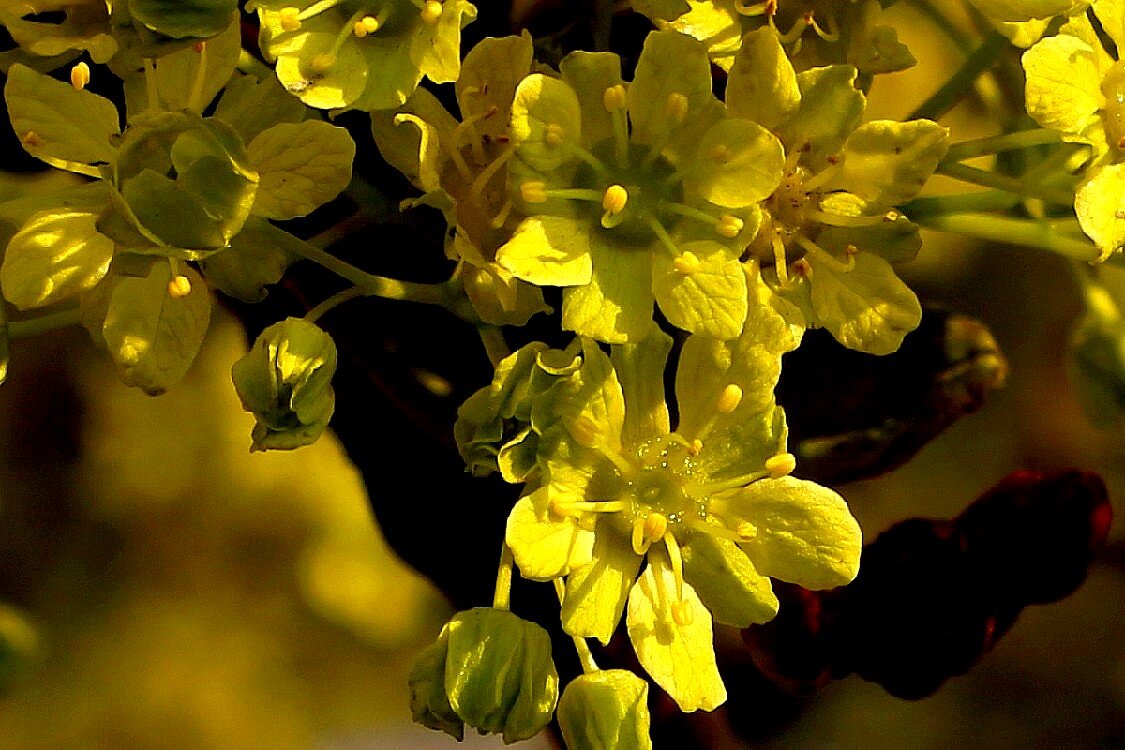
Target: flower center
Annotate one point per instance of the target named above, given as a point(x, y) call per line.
point(665, 465)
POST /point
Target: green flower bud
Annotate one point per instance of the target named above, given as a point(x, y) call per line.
point(429, 705)
point(19, 645)
point(182, 183)
point(498, 427)
point(605, 710)
point(285, 382)
point(499, 676)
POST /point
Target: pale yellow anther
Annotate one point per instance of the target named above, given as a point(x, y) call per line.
point(615, 199)
point(554, 134)
point(80, 76)
point(892, 215)
point(851, 250)
point(746, 530)
point(781, 465)
point(179, 286)
point(729, 226)
point(686, 263)
point(370, 24)
point(656, 525)
point(676, 107)
point(802, 268)
point(695, 447)
point(431, 11)
point(720, 153)
point(290, 18)
point(614, 98)
point(729, 399)
point(533, 191)
point(682, 613)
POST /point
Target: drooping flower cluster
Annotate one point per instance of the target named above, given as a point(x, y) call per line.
point(671, 528)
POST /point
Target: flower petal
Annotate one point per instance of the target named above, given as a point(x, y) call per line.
point(679, 658)
point(710, 299)
point(590, 74)
point(545, 546)
point(762, 85)
point(727, 582)
point(1100, 206)
point(616, 306)
point(545, 116)
point(549, 251)
point(1063, 83)
point(802, 533)
point(640, 368)
point(596, 593)
point(746, 163)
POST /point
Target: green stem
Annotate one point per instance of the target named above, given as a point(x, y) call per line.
point(944, 24)
point(336, 299)
point(978, 61)
point(1014, 231)
point(1015, 185)
point(1007, 142)
point(22, 329)
point(494, 344)
point(502, 598)
point(585, 657)
point(381, 286)
point(942, 205)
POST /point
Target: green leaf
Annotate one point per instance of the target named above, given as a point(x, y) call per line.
point(605, 710)
point(1063, 83)
point(801, 532)
point(710, 298)
point(762, 85)
point(1100, 206)
point(56, 255)
point(867, 308)
point(300, 167)
point(153, 336)
point(616, 306)
point(184, 18)
point(679, 658)
point(596, 592)
point(640, 368)
point(67, 128)
point(888, 162)
point(727, 582)
point(257, 256)
point(746, 163)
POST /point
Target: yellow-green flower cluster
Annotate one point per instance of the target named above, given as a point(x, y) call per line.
point(637, 192)
point(1076, 87)
point(675, 529)
point(362, 54)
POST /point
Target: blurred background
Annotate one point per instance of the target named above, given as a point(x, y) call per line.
point(186, 594)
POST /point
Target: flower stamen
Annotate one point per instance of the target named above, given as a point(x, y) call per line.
point(431, 11)
point(80, 76)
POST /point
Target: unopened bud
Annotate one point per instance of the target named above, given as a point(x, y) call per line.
point(605, 709)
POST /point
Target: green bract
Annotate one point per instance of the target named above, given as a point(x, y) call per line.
point(605, 710)
point(285, 382)
point(702, 514)
point(362, 54)
point(488, 669)
point(638, 192)
point(829, 232)
point(816, 32)
point(462, 169)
